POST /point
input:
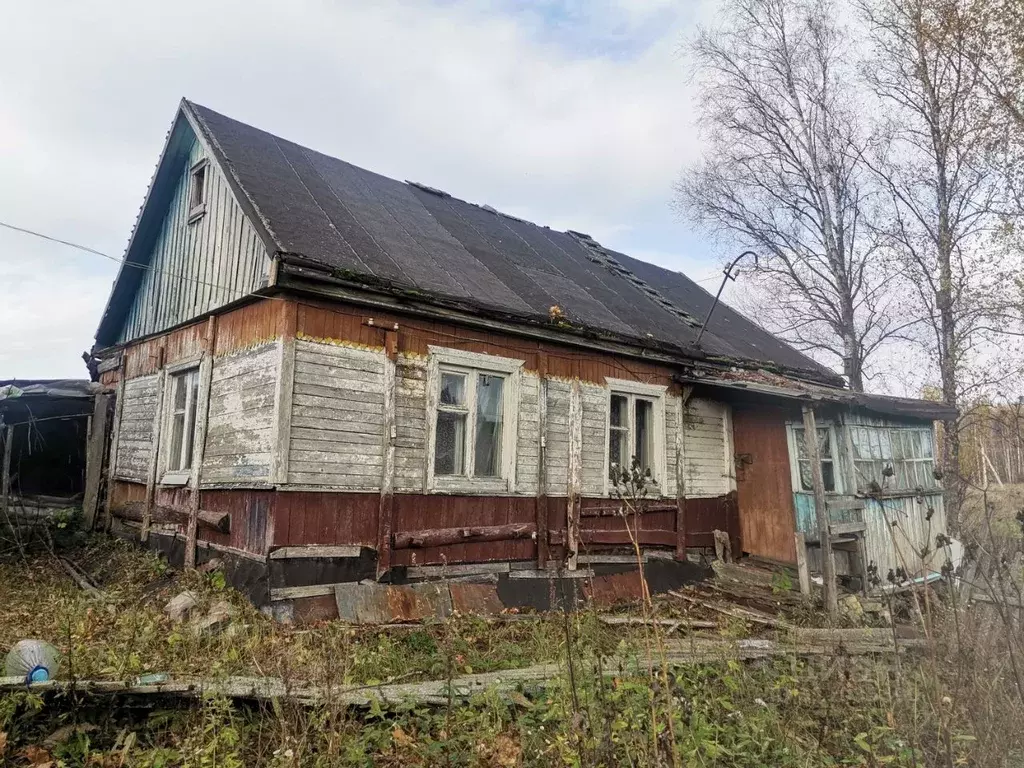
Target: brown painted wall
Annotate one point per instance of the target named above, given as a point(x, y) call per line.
point(764, 489)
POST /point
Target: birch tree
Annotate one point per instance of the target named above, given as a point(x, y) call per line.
point(784, 175)
point(945, 194)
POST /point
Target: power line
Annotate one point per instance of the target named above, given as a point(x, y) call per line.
point(122, 262)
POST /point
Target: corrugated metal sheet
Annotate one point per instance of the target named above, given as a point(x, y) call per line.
point(197, 267)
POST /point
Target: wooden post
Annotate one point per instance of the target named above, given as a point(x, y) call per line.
point(94, 459)
point(542, 441)
point(681, 404)
point(801, 563)
point(154, 454)
point(574, 474)
point(5, 476)
point(199, 440)
point(828, 564)
point(283, 397)
point(115, 436)
point(386, 511)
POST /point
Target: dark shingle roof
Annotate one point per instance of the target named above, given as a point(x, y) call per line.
point(406, 235)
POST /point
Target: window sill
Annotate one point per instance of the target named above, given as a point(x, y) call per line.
point(176, 479)
point(196, 213)
point(469, 485)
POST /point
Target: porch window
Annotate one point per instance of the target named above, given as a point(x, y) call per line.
point(181, 427)
point(908, 452)
point(825, 449)
point(470, 422)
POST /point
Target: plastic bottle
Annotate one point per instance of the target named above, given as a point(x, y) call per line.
point(35, 660)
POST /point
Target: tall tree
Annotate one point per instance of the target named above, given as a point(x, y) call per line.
point(945, 192)
point(784, 175)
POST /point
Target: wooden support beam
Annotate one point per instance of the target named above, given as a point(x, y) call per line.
point(574, 475)
point(283, 395)
point(680, 448)
point(821, 511)
point(386, 508)
point(5, 473)
point(199, 439)
point(654, 537)
point(94, 457)
point(542, 441)
point(439, 537)
point(115, 437)
point(314, 550)
point(154, 456)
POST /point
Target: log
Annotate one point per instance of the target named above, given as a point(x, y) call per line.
point(733, 611)
point(136, 511)
point(79, 578)
point(439, 537)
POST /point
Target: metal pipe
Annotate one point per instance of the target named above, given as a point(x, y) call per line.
point(728, 276)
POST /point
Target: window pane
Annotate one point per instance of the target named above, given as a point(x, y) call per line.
point(824, 444)
point(180, 392)
point(798, 438)
point(177, 435)
point(925, 436)
point(885, 443)
point(489, 397)
point(618, 448)
point(806, 483)
point(828, 474)
point(453, 389)
point(643, 440)
point(861, 445)
point(450, 443)
point(899, 438)
point(620, 411)
point(189, 431)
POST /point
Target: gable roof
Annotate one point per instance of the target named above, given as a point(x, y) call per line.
point(316, 210)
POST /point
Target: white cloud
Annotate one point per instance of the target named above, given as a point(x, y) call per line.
point(573, 125)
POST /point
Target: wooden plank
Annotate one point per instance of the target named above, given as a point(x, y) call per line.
point(681, 473)
point(846, 505)
point(574, 476)
point(541, 501)
point(5, 473)
point(199, 440)
point(293, 593)
point(94, 456)
point(659, 537)
point(821, 511)
point(843, 529)
point(305, 551)
point(801, 563)
point(386, 508)
point(160, 513)
point(460, 569)
point(154, 455)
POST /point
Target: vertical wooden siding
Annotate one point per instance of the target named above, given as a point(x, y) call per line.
point(195, 268)
point(763, 485)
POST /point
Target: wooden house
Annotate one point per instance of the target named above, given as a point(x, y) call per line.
point(324, 375)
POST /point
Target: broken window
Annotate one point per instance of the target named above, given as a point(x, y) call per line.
point(899, 459)
point(470, 420)
point(825, 445)
point(182, 416)
point(631, 433)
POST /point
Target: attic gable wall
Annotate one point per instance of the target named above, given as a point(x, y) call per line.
point(195, 268)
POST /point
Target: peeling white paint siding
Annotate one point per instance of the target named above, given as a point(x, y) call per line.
point(337, 416)
point(705, 470)
point(194, 268)
point(528, 444)
point(240, 429)
point(595, 438)
point(135, 437)
point(556, 453)
point(668, 486)
point(410, 423)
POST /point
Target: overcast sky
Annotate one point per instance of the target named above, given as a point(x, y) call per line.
point(571, 113)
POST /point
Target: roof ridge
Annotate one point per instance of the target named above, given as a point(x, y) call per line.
point(600, 255)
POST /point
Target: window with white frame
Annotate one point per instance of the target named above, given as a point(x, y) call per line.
point(474, 422)
point(181, 424)
point(827, 452)
point(636, 427)
point(908, 452)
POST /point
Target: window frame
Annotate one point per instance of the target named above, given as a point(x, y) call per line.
point(873, 431)
point(634, 390)
point(473, 365)
point(794, 458)
point(197, 209)
point(180, 476)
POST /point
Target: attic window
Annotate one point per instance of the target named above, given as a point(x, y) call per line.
point(197, 191)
